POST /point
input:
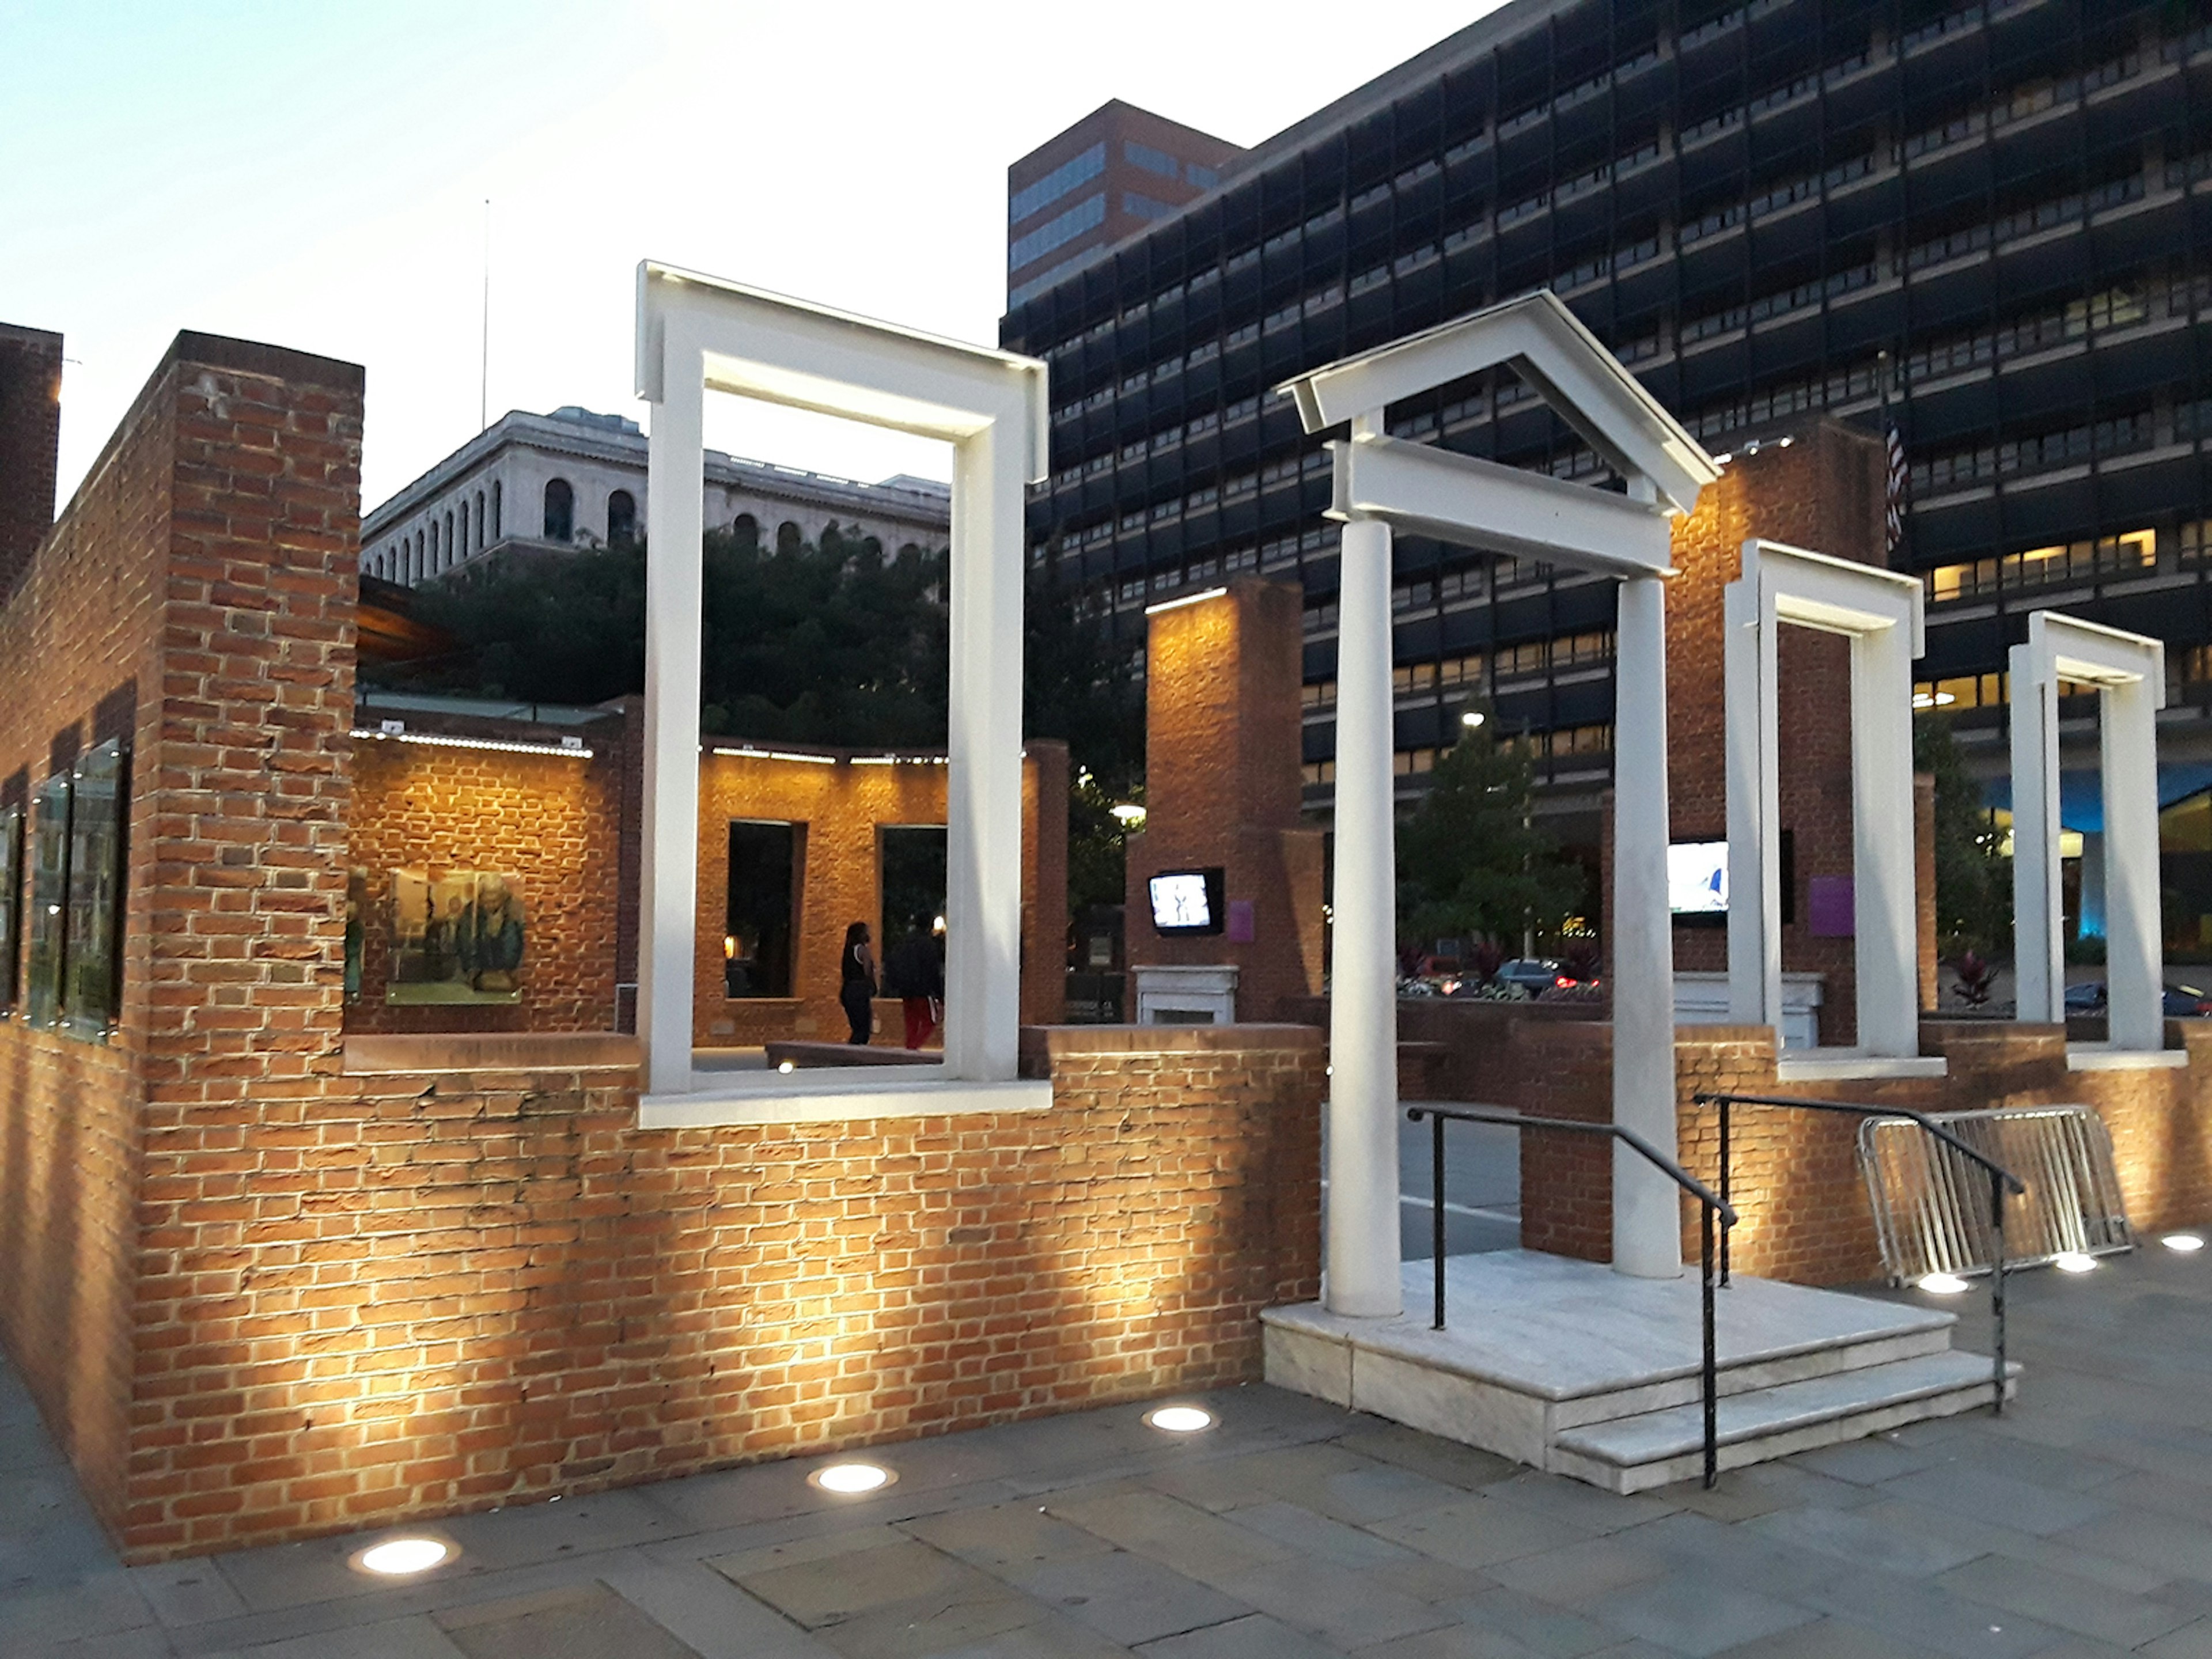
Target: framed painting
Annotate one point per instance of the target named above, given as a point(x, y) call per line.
point(458, 937)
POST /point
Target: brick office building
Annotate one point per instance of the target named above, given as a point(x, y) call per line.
point(265, 1282)
point(1750, 205)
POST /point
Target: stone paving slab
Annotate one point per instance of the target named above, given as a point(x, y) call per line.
point(2078, 1526)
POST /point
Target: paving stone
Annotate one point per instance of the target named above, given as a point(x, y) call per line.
point(1851, 1536)
point(818, 1546)
point(1318, 1537)
point(1454, 1642)
point(1193, 1542)
point(1049, 1638)
point(1344, 1608)
point(581, 1621)
point(1574, 1574)
point(1125, 1598)
point(146, 1642)
point(2153, 1540)
point(2062, 1599)
point(2189, 1642)
point(931, 1626)
point(525, 1533)
point(1007, 1536)
point(830, 1589)
point(1970, 1491)
point(187, 1592)
point(1930, 1619)
point(1830, 1639)
point(711, 1616)
point(1863, 1462)
point(1478, 1530)
point(1467, 1467)
point(98, 1605)
point(1944, 1531)
point(1695, 1618)
point(397, 1638)
point(1252, 1636)
point(1541, 1626)
point(1561, 1499)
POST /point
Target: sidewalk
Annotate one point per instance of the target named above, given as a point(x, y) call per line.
point(2079, 1524)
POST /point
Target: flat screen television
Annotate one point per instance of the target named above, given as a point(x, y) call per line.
point(1698, 878)
point(1187, 902)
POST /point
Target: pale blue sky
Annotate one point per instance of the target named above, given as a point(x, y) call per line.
point(313, 174)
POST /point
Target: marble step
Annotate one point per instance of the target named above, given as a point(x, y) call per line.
point(1656, 1448)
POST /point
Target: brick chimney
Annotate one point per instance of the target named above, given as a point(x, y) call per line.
point(30, 444)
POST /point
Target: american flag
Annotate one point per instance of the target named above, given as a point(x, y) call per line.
point(1893, 518)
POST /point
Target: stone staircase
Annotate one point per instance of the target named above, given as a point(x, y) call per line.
point(1568, 1366)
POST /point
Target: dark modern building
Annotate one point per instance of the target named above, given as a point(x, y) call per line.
point(2002, 210)
point(1112, 174)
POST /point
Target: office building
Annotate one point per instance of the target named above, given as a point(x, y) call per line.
point(1984, 225)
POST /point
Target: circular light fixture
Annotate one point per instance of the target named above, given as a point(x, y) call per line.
point(2187, 1243)
point(786, 1066)
point(402, 1558)
point(1472, 719)
point(1942, 1284)
point(2074, 1262)
point(851, 1480)
point(1180, 1419)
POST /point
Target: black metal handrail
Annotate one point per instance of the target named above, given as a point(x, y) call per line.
point(1710, 1205)
point(2002, 1181)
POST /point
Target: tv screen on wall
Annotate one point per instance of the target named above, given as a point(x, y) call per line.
point(1698, 878)
point(1188, 902)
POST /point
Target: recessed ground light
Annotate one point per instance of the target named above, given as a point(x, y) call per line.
point(402, 1558)
point(2187, 1243)
point(1942, 1284)
point(786, 1066)
point(851, 1480)
point(2073, 1261)
point(1180, 1419)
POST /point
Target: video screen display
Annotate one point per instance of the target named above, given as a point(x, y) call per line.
point(1186, 902)
point(1698, 878)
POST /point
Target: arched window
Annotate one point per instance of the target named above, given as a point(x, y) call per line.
point(744, 530)
point(446, 562)
point(622, 519)
point(496, 533)
point(479, 543)
point(872, 549)
point(788, 539)
point(560, 510)
point(417, 573)
point(832, 541)
point(909, 551)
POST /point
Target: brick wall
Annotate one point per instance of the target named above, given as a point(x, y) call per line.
point(192, 597)
point(30, 442)
point(445, 1292)
point(552, 823)
point(1221, 716)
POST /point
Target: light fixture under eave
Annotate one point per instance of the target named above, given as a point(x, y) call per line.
point(2186, 1244)
point(402, 1558)
point(1187, 599)
point(851, 1480)
point(1936, 700)
point(437, 741)
point(2074, 1262)
point(1472, 718)
point(1129, 812)
point(1942, 1284)
point(1180, 1419)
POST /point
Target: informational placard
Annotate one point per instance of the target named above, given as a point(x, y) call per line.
point(92, 952)
point(1188, 902)
point(457, 937)
point(11, 902)
point(1698, 877)
point(48, 921)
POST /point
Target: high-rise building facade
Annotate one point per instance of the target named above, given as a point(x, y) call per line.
point(1113, 172)
point(1987, 226)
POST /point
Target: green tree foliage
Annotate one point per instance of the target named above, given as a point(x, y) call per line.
point(1973, 883)
point(1471, 861)
point(1077, 687)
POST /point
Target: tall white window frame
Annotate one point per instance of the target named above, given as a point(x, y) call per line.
point(2128, 671)
point(1881, 613)
point(697, 334)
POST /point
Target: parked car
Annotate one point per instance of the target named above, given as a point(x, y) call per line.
point(2182, 1001)
point(1537, 974)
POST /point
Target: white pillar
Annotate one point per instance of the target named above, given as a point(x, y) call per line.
point(1362, 1256)
point(1647, 1228)
point(2038, 920)
point(2135, 952)
point(1754, 932)
point(984, 787)
point(669, 871)
point(1885, 951)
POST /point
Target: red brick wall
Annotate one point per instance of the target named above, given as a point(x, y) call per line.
point(550, 822)
point(30, 440)
point(441, 1293)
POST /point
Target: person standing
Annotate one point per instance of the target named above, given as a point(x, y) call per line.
point(856, 988)
point(914, 972)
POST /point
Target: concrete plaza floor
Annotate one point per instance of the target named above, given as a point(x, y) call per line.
point(2079, 1524)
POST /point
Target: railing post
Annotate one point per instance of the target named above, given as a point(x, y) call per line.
point(1997, 1288)
point(1711, 1368)
point(1727, 1194)
point(1436, 1208)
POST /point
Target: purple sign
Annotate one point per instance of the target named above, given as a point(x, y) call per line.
point(1830, 907)
point(1239, 921)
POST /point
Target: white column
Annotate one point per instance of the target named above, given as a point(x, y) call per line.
point(1747, 690)
point(2038, 919)
point(983, 808)
point(668, 906)
point(2135, 952)
point(1647, 1228)
point(1885, 914)
point(1362, 1256)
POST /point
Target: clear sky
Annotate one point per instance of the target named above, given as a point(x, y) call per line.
point(313, 174)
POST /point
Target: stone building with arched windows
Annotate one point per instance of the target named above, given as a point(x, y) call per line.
point(576, 479)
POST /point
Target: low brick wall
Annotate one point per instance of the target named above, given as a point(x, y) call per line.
point(409, 1294)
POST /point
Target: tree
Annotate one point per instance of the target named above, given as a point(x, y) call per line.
point(1471, 861)
point(1077, 687)
point(1973, 884)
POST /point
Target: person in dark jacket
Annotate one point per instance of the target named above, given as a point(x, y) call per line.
point(856, 988)
point(914, 972)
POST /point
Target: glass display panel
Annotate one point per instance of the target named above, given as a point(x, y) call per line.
point(757, 938)
point(92, 937)
point(1698, 877)
point(458, 937)
point(46, 923)
point(11, 902)
point(1186, 902)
